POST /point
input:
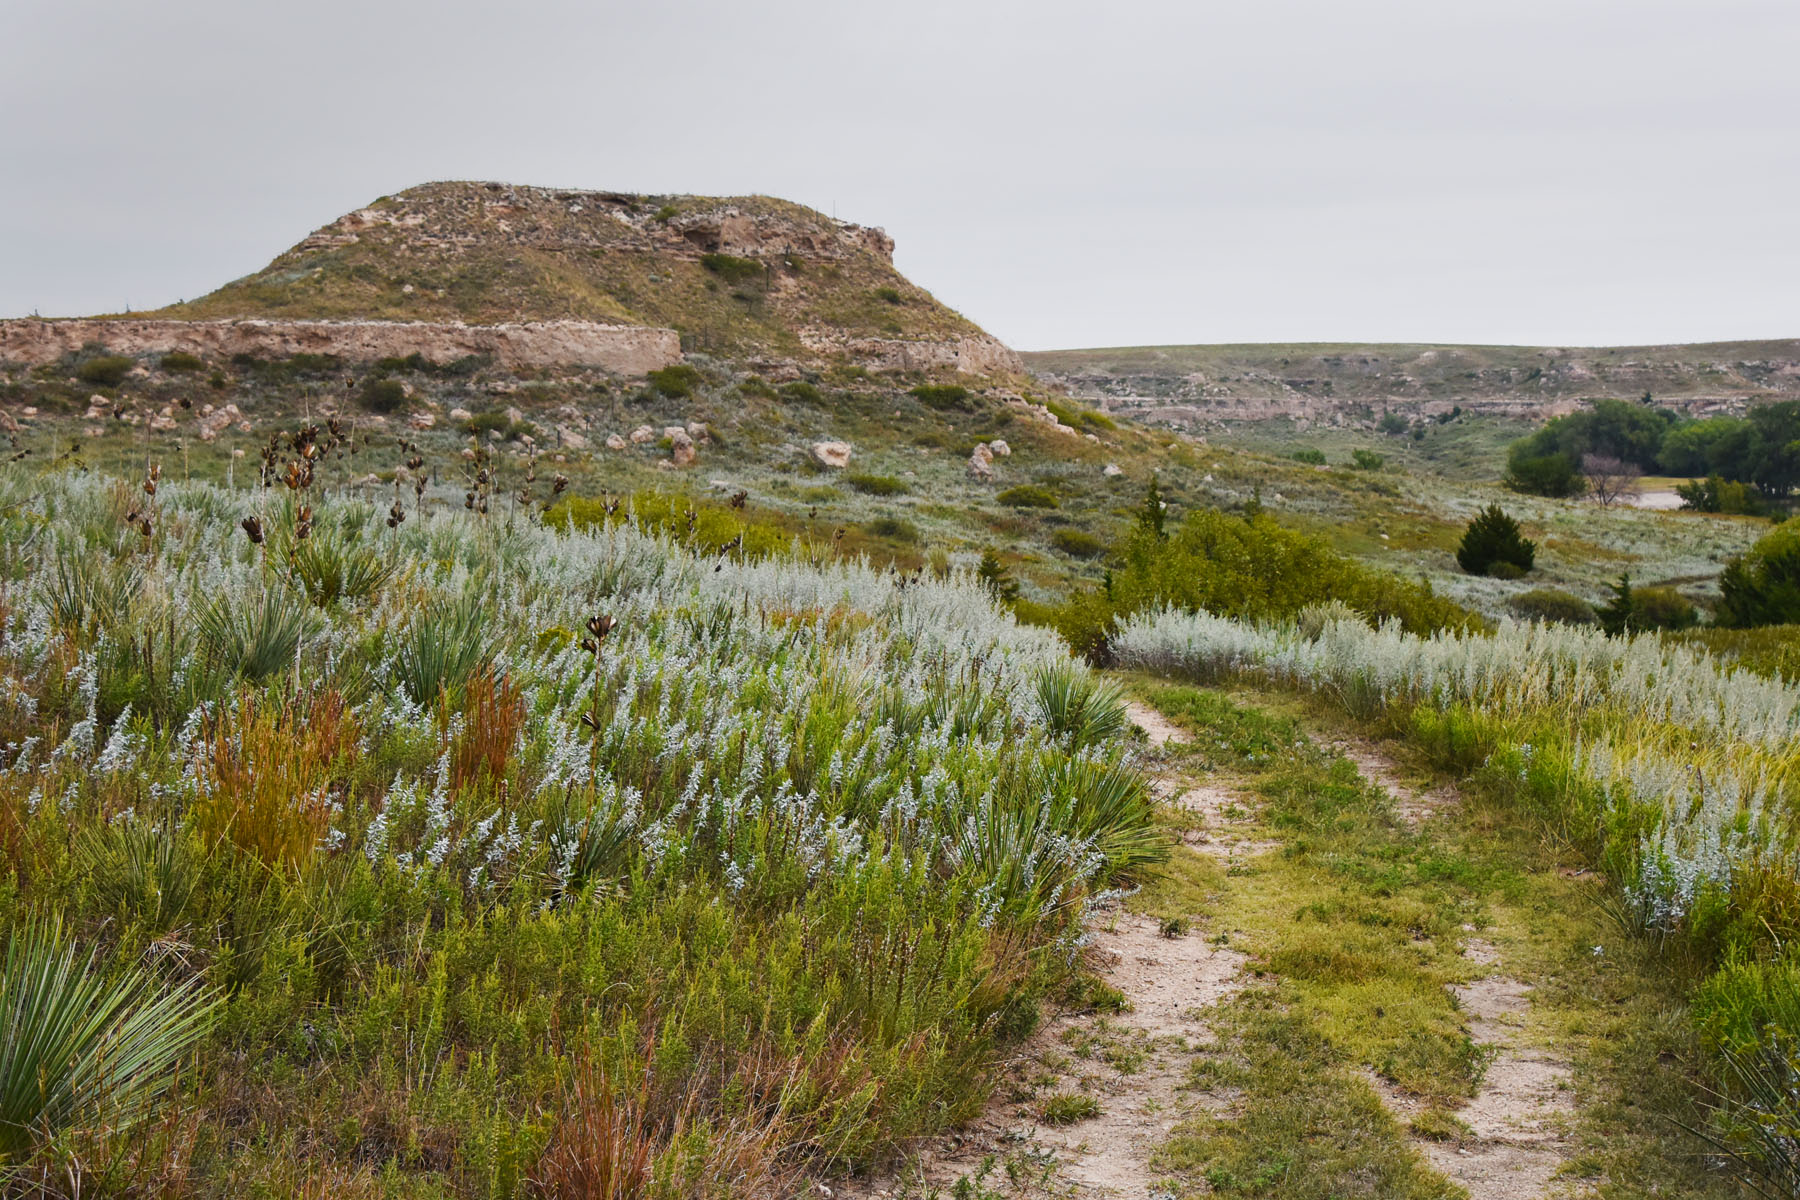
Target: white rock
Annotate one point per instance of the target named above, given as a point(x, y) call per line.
point(681, 451)
point(615, 442)
point(514, 415)
point(700, 431)
point(835, 455)
point(642, 434)
point(1113, 471)
point(423, 420)
point(999, 449)
point(568, 437)
point(981, 462)
point(461, 414)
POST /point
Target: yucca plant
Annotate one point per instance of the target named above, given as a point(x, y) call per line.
point(87, 593)
point(145, 872)
point(442, 649)
point(82, 1042)
point(1080, 709)
point(1112, 809)
point(257, 637)
point(331, 568)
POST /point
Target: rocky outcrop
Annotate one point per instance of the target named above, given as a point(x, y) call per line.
point(834, 456)
point(972, 355)
point(624, 349)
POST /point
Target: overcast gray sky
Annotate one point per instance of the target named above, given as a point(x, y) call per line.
point(1066, 174)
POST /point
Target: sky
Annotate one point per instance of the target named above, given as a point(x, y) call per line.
point(1110, 172)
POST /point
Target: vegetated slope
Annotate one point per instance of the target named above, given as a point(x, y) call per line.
point(736, 274)
point(1190, 385)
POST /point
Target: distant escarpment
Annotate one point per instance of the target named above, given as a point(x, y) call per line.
point(745, 277)
point(1196, 386)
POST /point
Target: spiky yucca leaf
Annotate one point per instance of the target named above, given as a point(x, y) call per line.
point(79, 1043)
point(1078, 707)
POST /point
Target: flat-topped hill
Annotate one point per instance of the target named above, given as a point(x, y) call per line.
point(746, 275)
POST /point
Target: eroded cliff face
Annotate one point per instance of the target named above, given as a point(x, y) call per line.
point(1193, 386)
point(621, 349)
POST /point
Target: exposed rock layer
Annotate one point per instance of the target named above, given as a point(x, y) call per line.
point(624, 349)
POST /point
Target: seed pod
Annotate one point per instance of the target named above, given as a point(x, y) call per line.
point(253, 529)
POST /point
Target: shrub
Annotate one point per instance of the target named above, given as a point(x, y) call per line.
point(676, 381)
point(1392, 424)
point(180, 362)
point(1553, 475)
point(1309, 456)
point(1637, 610)
point(1076, 417)
point(996, 578)
point(254, 637)
point(85, 1042)
point(942, 396)
point(1715, 494)
point(889, 295)
point(731, 268)
point(381, 395)
point(1553, 606)
point(802, 391)
point(1078, 707)
point(108, 370)
point(894, 528)
point(1494, 538)
point(442, 650)
point(1763, 586)
point(1028, 495)
point(1078, 543)
point(1366, 460)
point(876, 485)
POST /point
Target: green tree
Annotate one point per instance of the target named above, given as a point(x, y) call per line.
point(1153, 512)
point(1493, 544)
point(1763, 586)
point(996, 578)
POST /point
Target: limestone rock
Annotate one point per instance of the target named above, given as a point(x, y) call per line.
point(423, 420)
point(569, 438)
point(160, 424)
point(835, 455)
point(459, 415)
point(682, 452)
point(700, 431)
point(1113, 471)
point(514, 415)
point(615, 442)
point(999, 449)
point(642, 434)
point(981, 462)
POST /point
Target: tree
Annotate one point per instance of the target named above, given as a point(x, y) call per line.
point(1152, 512)
point(1637, 610)
point(1763, 586)
point(1609, 479)
point(996, 578)
point(1543, 474)
point(1493, 545)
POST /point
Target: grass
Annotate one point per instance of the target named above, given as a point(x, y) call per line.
point(1354, 928)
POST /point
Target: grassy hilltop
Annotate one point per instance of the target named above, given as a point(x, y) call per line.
point(734, 274)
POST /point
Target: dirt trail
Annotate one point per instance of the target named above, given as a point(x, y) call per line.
point(1517, 1123)
point(1134, 1063)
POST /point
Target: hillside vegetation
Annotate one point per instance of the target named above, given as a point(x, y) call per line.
point(741, 274)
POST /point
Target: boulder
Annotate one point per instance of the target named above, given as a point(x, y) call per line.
point(514, 415)
point(159, 423)
point(459, 415)
point(569, 438)
point(615, 442)
point(422, 420)
point(981, 462)
point(681, 450)
point(700, 431)
point(1113, 471)
point(835, 455)
point(999, 449)
point(642, 434)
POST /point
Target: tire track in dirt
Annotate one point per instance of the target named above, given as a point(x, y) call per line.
point(1134, 1063)
point(1516, 1137)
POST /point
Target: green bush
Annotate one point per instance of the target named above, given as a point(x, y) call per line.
point(1028, 495)
point(889, 295)
point(894, 529)
point(875, 485)
point(1250, 567)
point(1716, 494)
point(1763, 586)
point(942, 396)
point(383, 395)
point(1075, 417)
point(108, 370)
point(731, 268)
point(1640, 610)
point(1552, 606)
point(180, 362)
point(1078, 543)
point(1544, 475)
point(1366, 460)
point(1310, 456)
point(803, 392)
point(1493, 540)
point(675, 381)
